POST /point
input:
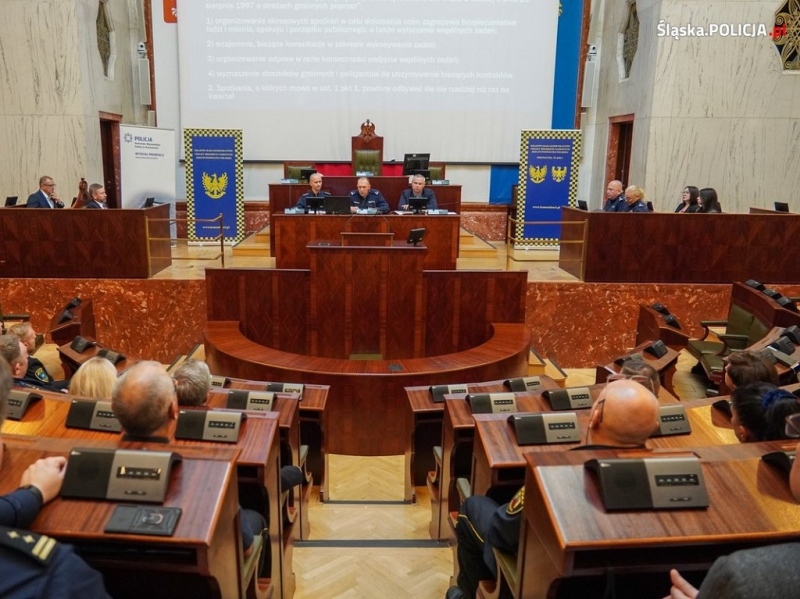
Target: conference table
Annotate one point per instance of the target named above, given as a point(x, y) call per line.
point(570, 543)
point(257, 460)
point(202, 558)
point(291, 235)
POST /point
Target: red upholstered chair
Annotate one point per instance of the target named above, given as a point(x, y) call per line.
point(367, 151)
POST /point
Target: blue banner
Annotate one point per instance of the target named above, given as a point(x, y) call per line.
point(568, 57)
point(548, 180)
point(214, 183)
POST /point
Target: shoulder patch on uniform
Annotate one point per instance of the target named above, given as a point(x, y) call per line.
point(38, 547)
point(516, 503)
point(41, 374)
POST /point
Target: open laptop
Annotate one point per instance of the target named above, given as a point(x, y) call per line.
point(12, 201)
point(337, 205)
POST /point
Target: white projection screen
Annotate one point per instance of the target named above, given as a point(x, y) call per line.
point(456, 78)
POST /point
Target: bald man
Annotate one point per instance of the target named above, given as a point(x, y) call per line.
point(615, 198)
point(624, 416)
point(143, 400)
point(315, 183)
point(363, 197)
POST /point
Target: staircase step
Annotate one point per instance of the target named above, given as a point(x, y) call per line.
point(256, 244)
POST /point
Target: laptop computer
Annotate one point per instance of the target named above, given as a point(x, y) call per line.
point(337, 205)
point(12, 201)
point(779, 206)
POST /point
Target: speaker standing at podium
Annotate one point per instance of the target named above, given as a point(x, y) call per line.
point(418, 190)
point(624, 416)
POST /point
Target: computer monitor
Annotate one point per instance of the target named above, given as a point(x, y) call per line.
point(12, 201)
point(337, 205)
point(305, 173)
point(417, 205)
point(417, 164)
point(416, 235)
point(313, 204)
point(148, 203)
point(582, 205)
point(781, 207)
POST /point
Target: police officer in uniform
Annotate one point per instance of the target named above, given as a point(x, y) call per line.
point(36, 374)
point(364, 197)
point(634, 200)
point(315, 182)
point(15, 354)
point(34, 566)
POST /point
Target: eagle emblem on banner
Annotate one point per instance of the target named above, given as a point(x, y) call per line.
point(213, 186)
point(559, 173)
point(538, 173)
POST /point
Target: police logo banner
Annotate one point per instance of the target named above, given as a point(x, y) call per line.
point(214, 183)
point(548, 180)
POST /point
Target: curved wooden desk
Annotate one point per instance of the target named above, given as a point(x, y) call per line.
point(365, 412)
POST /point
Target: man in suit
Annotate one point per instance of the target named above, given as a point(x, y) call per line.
point(46, 196)
point(98, 194)
point(624, 416)
point(418, 190)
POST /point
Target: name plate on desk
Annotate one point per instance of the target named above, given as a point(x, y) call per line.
point(650, 483)
point(18, 403)
point(524, 384)
point(571, 398)
point(546, 427)
point(437, 211)
point(492, 403)
point(250, 400)
point(439, 391)
point(672, 420)
point(218, 381)
point(285, 388)
point(121, 474)
point(440, 182)
point(93, 416)
point(622, 359)
point(209, 425)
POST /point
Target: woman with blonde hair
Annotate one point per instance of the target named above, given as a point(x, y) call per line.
point(94, 379)
point(634, 200)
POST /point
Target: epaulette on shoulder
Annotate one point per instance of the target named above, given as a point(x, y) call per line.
point(37, 547)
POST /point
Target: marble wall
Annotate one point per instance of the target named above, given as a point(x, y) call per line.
point(577, 324)
point(52, 89)
point(709, 111)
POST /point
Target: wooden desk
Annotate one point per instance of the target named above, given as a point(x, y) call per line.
point(367, 399)
point(257, 462)
point(568, 534)
point(290, 234)
point(651, 247)
point(203, 557)
point(72, 360)
point(651, 326)
point(81, 323)
point(665, 366)
point(89, 244)
point(285, 195)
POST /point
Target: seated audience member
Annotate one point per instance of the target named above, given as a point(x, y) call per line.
point(745, 367)
point(315, 182)
point(45, 196)
point(641, 372)
point(192, 382)
point(615, 199)
point(688, 203)
point(192, 385)
point(708, 201)
point(634, 200)
point(761, 573)
point(26, 569)
point(95, 378)
point(144, 402)
point(363, 196)
point(624, 416)
point(16, 354)
point(419, 191)
point(98, 195)
point(759, 411)
point(36, 370)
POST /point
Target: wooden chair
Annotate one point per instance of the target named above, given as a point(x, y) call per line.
point(367, 151)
